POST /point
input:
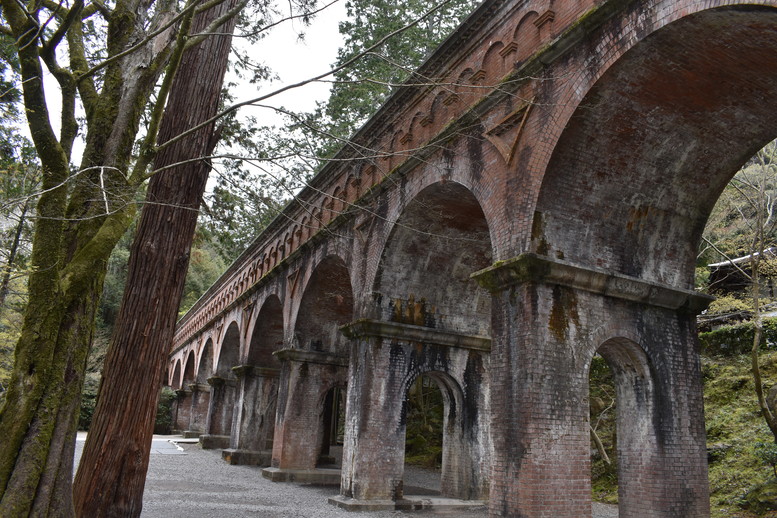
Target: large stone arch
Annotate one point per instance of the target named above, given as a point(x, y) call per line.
point(664, 125)
point(267, 334)
point(229, 351)
point(188, 369)
point(429, 316)
point(646, 120)
point(174, 382)
point(257, 388)
point(326, 304)
point(205, 363)
point(423, 278)
point(316, 360)
point(223, 390)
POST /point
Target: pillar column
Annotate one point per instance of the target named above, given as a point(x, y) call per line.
point(305, 378)
point(254, 419)
point(182, 409)
point(198, 415)
point(386, 357)
point(220, 413)
point(549, 318)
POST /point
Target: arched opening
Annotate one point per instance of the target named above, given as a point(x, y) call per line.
point(188, 370)
point(424, 417)
point(175, 381)
point(229, 354)
point(223, 385)
point(316, 361)
point(205, 367)
point(197, 419)
point(258, 384)
point(267, 336)
point(440, 239)
point(326, 305)
point(602, 411)
point(333, 425)
point(437, 454)
point(623, 386)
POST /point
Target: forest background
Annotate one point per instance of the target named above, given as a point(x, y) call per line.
point(258, 167)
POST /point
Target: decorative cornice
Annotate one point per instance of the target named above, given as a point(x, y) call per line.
point(300, 355)
point(533, 268)
point(409, 333)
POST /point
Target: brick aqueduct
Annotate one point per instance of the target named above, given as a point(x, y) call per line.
point(534, 196)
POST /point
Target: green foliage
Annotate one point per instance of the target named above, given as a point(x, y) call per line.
point(205, 266)
point(731, 225)
point(767, 452)
point(425, 416)
point(735, 428)
point(360, 89)
point(725, 304)
point(738, 339)
point(604, 476)
point(164, 412)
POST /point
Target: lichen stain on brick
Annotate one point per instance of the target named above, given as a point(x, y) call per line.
point(541, 245)
point(563, 312)
point(637, 217)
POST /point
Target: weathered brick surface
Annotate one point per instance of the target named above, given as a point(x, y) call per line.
point(382, 370)
point(254, 419)
point(594, 134)
point(299, 425)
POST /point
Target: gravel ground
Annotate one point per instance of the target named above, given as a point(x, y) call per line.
point(196, 483)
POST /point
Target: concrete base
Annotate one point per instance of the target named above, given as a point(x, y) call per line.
point(324, 477)
point(411, 503)
point(190, 434)
point(247, 457)
point(214, 442)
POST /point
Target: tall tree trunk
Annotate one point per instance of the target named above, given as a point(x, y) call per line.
point(17, 238)
point(111, 475)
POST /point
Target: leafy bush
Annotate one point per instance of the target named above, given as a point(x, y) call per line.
point(738, 339)
point(164, 412)
point(767, 452)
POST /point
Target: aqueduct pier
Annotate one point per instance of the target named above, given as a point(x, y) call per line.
point(534, 196)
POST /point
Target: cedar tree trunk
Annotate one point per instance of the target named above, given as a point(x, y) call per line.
point(112, 472)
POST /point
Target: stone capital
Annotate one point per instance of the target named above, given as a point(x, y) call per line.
point(252, 371)
point(411, 333)
point(182, 393)
point(303, 356)
point(533, 268)
point(199, 387)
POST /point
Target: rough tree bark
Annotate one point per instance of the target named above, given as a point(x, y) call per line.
point(111, 475)
point(12, 252)
point(72, 241)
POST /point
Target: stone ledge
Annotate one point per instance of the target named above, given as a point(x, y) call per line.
point(301, 355)
point(243, 371)
point(410, 503)
point(412, 333)
point(247, 457)
point(533, 268)
point(320, 476)
point(214, 442)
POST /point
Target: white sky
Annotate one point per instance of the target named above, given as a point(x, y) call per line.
point(295, 60)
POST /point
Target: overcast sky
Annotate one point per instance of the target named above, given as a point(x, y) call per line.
point(294, 60)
